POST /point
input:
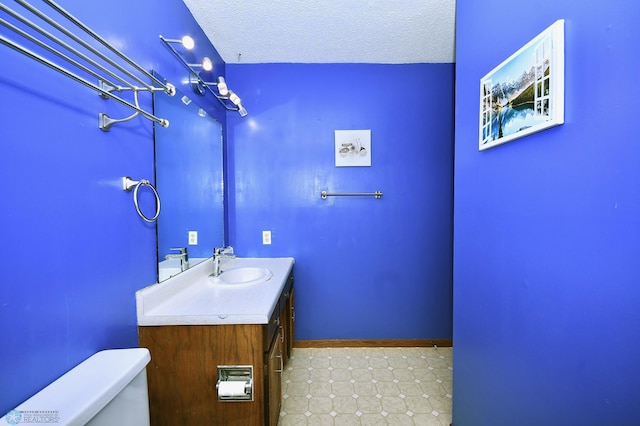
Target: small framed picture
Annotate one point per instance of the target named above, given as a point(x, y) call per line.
point(353, 148)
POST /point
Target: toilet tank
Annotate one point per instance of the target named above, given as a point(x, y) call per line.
point(109, 388)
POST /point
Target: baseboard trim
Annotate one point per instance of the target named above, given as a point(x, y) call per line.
point(382, 343)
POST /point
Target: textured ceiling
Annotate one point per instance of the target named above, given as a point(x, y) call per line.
point(323, 31)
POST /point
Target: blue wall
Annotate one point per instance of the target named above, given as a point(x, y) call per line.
point(547, 228)
point(74, 249)
point(365, 268)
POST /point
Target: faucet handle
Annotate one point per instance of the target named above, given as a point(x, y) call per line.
point(183, 252)
point(223, 251)
point(227, 251)
point(184, 257)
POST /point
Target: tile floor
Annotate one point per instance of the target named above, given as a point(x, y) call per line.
point(367, 386)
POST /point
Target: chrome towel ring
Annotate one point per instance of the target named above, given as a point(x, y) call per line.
point(128, 184)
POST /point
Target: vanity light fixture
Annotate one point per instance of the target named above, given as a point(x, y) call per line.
point(186, 41)
point(196, 82)
point(235, 99)
point(226, 97)
point(222, 86)
point(225, 93)
point(206, 64)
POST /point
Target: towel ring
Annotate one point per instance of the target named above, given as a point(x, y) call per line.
point(128, 184)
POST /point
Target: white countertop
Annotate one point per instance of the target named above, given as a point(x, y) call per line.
point(171, 267)
point(192, 298)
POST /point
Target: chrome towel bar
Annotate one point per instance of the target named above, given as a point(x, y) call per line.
point(325, 194)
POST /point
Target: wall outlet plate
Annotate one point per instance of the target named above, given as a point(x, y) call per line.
point(266, 237)
point(193, 238)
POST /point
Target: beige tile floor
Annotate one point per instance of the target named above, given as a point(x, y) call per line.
point(367, 386)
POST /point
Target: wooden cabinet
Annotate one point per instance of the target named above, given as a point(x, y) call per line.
point(182, 373)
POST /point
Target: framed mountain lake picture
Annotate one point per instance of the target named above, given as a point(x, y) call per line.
point(525, 93)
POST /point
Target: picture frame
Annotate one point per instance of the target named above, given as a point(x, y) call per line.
point(352, 148)
point(525, 93)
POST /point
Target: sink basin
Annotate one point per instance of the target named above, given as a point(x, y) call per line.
point(243, 275)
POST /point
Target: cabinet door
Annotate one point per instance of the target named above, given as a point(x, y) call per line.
point(287, 317)
point(285, 325)
point(274, 382)
point(290, 320)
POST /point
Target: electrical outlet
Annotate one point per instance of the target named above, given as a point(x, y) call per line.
point(193, 238)
point(266, 237)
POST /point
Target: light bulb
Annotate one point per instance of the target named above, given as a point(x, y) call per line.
point(234, 98)
point(188, 42)
point(207, 65)
point(222, 86)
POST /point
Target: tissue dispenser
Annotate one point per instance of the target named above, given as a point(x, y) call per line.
point(235, 383)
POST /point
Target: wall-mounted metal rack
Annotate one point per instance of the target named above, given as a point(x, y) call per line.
point(325, 194)
point(48, 38)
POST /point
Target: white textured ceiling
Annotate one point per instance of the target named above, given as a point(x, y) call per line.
point(325, 31)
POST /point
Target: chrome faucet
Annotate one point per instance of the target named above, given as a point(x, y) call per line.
point(218, 254)
point(216, 262)
point(183, 256)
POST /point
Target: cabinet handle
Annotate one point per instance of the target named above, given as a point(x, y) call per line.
point(281, 364)
point(293, 314)
point(282, 334)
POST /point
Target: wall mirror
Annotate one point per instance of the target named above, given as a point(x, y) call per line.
point(189, 180)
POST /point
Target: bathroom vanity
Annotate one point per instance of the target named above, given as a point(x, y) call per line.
point(218, 347)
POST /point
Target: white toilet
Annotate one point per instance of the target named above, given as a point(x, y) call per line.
point(109, 388)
